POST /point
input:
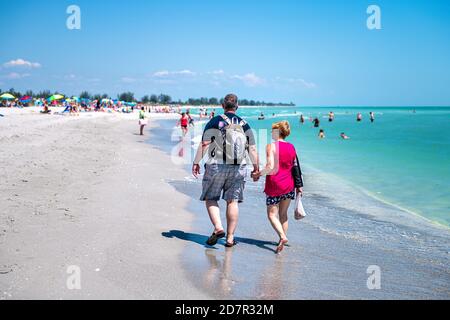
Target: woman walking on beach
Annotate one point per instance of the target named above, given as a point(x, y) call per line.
point(183, 122)
point(142, 120)
point(280, 187)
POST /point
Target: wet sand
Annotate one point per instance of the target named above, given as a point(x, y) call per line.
point(329, 253)
point(87, 191)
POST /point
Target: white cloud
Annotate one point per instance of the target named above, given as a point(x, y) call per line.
point(218, 72)
point(161, 73)
point(186, 72)
point(128, 80)
point(15, 75)
point(21, 63)
point(297, 81)
point(250, 79)
point(166, 73)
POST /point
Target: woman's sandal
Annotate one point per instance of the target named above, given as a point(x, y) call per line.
point(212, 241)
point(231, 245)
point(281, 245)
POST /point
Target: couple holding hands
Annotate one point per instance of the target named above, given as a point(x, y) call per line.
point(226, 179)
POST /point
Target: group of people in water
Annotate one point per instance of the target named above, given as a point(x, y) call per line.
point(331, 118)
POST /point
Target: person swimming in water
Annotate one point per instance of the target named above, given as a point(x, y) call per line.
point(372, 116)
point(316, 122)
point(302, 119)
point(359, 117)
point(344, 136)
point(321, 134)
point(261, 116)
point(331, 116)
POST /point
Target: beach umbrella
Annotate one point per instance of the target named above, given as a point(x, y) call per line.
point(76, 99)
point(55, 97)
point(25, 98)
point(7, 96)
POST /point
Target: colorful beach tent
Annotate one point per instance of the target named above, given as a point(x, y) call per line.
point(55, 97)
point(7, 96)
point(26, 99)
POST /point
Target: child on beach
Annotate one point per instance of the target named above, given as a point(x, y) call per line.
point(191, 120)
point(281, 186)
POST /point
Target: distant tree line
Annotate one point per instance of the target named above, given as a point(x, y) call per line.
point(150, 99)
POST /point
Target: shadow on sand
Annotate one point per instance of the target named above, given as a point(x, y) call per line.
point(201, 240)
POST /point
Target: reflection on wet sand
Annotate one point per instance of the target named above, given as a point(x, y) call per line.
point(219, 278)
point(272, 283)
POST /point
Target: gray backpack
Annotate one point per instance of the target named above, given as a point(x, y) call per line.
point(235, 144)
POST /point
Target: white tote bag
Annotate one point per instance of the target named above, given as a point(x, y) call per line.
point(299, 210)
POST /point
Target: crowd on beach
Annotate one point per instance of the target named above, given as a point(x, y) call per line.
point(76, 105)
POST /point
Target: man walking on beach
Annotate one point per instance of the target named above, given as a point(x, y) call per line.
point(230, 145)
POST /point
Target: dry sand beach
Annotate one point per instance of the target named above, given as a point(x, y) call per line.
point(69, 198)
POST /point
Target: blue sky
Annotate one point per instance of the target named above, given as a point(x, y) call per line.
point(310, 52)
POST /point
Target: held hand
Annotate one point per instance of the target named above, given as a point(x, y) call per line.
point(299, 191)
point(256, 175)
point(196, 170)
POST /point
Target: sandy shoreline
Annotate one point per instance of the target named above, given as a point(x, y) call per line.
point(87, 191)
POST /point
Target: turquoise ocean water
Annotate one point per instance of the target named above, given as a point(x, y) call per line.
point(403, 158)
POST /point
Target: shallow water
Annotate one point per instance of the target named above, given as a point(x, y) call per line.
point(402, 158)
point(345, 232)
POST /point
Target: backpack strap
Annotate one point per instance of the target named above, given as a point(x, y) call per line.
point(229, 122)
point(226, 119)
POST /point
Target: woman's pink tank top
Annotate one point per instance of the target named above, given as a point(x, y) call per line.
point(282, 181)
